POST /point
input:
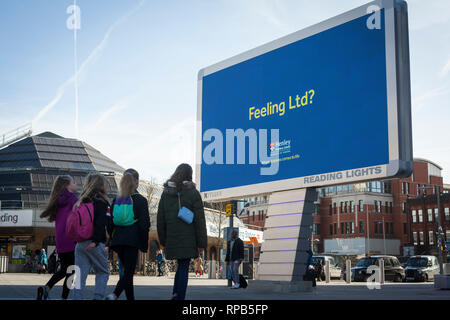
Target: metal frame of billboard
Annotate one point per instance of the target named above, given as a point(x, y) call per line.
point(398, 100)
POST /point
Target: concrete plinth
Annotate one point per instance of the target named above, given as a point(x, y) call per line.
point(270, 286)
point(442, 281)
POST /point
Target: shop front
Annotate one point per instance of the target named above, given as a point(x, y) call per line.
point(21, 236)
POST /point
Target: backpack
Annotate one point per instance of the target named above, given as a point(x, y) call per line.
point(80, 223)
point(242, 282)
point(123, 213)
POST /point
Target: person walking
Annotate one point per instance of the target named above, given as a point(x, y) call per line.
point(130, 224)
point(91, 253)
point(198, 264)
point(43, 261)
point(160, 261)
point(182, 241)
point(235, 256)
point(61, 202)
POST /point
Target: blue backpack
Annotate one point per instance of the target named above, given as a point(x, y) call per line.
point(123, 214)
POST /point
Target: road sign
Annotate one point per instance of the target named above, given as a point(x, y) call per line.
point(337, 92)
point(228, 209)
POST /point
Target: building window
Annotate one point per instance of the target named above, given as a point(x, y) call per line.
point(352, 206)
point(386, 207)
point(390, 207)
point(361, 206)
point(361, 227)
point(345, 207)
point(347, 228)
point(352, 226)
point(415, 238)
point(316, 227)
point(430, 215)
point(414, 217)
point(447, 214)
point(342, 228)
point(392, 227)
point(386, 230)
point(253, 215)
point(407, 188)
point(404, 207)
point(405, 231)
point(403, 188)
point(418, 190)
point(420, 215)
point(435, 213)
point(331, 229)
point(331, 209)
point(335, 208)
point(335, 228)
point(376, 226)
point(430, 238)
point(421, 242)
point(342, 207)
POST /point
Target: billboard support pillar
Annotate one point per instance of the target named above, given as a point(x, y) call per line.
point(285, 250)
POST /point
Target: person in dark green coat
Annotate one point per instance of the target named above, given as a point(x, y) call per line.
point(181, 241)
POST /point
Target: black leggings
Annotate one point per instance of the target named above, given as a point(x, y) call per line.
point(67, 259)
point(128, 256)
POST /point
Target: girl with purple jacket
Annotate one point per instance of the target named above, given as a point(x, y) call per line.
point(62, 200)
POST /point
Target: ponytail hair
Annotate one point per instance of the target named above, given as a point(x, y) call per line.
point(129, 183)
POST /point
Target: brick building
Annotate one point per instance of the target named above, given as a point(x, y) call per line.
point(424, 215)
point(368, 217)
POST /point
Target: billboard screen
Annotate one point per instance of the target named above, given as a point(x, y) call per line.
point(326, 105)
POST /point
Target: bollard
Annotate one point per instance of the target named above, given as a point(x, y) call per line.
point(348, 264)
point(381, 265)
point(327, 271)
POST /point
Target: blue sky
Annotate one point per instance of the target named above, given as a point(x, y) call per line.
point(138, 63)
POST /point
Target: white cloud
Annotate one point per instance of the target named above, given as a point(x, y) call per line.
point(445, 69)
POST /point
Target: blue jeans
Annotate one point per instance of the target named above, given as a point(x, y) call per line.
point(235, 271)
point(97, 259)
point(181, 279)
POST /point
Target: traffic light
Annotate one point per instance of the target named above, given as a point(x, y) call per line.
point(228, 209)
point(231, 208)
point(234, 208)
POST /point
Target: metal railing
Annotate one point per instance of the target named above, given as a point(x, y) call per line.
point(15, 135)
point(21, 204)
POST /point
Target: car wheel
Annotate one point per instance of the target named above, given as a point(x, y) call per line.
point(398, 278)
point(425, 277)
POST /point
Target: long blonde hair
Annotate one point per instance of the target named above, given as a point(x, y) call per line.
point(60, 183)
point(96, 187)
point(129, 183)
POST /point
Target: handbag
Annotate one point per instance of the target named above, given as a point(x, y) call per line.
point(184, 213)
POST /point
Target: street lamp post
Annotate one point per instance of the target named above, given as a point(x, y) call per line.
point(438, 226)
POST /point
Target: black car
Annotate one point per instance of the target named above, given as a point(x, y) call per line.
point(421, 268)
point(393, 271)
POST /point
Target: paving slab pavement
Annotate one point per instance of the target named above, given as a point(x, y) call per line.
point(24, 285)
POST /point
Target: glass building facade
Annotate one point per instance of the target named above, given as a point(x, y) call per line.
point(29, 167)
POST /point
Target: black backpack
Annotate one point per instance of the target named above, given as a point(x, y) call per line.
point(242, 281)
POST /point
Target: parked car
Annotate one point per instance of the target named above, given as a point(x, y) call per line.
point(393, 271)
point(421, 268)
point(403, 261)
point(335, 270)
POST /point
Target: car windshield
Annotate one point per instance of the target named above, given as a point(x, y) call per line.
point(417, 262)
point(315, 260)
point(365, 262)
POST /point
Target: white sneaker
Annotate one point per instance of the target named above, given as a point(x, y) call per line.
point(111, 296)
point(236, 286)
